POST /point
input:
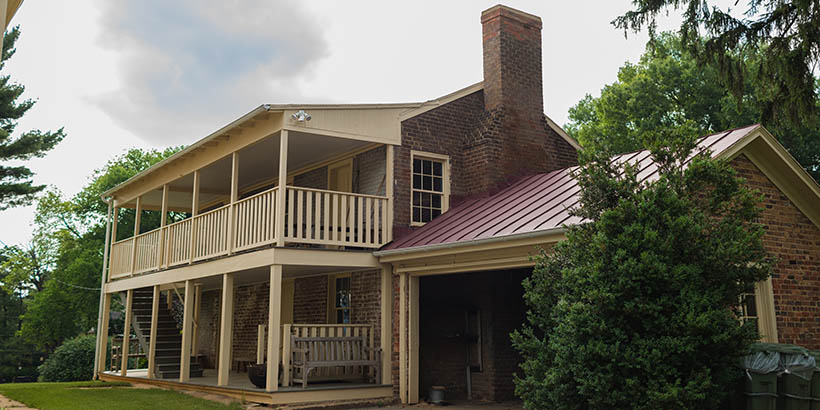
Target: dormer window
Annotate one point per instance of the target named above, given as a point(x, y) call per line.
point(430, 186)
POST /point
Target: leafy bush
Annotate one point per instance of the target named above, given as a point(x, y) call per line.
point(72, 361)
point(637, 308)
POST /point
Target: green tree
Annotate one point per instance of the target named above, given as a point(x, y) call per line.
point(785, 34)
point(637, 307)
point(16, 184)
point(669, 89)
point(68, 302)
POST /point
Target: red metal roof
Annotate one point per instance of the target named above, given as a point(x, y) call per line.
point(536, 203)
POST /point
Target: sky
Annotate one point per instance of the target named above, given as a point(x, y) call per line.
point(119, 74)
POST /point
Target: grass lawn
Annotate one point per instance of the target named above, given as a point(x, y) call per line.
point(103, 395)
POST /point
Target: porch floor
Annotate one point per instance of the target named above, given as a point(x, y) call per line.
point(240, 387)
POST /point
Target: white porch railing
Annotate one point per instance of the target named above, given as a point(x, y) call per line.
point(311, 216)
point(335, 218)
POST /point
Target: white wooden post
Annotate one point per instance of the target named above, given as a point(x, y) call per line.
point(152, 342)
point(197, 303)
point(403, 337)
point(388, 192)
point(137, 221)
point(162, 222)
point(286, 353)
point(274, 316)
point(260, 344)
point(225, 331)
point(234, 198)
point(103, 331)
point(194, 212)
point(114, 220)
point(185, 355)
point(413, 359)
point(106, 248)
point(386, 316)
point(126, 332)
point(283, 181)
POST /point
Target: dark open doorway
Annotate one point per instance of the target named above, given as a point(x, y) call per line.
point(464, 327)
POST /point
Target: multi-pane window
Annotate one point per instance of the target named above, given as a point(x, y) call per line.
point(748, 308)
point(429, 179)
point(342, 300)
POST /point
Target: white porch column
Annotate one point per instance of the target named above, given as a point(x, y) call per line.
point(197, 305)
point(152, 342)
point(234, 198)
point(103, 331)
point(225, 331)
point(413, 359)
point(137, 221)
point(283, 182)
point(386, 328)
point(274, 316)
point(162, 222)
point(187, 330)
point(126, 332)
point(403, 337)
point(194, 212)
point(100, 337)
point(388, 191)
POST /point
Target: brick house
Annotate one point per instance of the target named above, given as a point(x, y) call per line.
point(394, 236)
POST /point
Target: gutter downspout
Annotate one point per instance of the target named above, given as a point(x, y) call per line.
point(102, 340)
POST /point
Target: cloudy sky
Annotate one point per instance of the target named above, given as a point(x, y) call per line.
point(153, 73)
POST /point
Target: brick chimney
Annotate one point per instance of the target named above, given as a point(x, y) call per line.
point(512, 61)
point(512, 138)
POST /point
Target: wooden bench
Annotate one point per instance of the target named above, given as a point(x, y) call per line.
point(344, 356)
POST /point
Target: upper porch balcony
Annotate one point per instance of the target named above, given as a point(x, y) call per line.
point(224, 195)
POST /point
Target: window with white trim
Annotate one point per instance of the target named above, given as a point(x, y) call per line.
point(429, 186)
point(340, 296)
point(758, 307)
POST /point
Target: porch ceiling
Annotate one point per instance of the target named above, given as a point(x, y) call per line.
point(257, 163)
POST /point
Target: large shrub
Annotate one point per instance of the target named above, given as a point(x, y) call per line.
point(72, 361)
point(636, 309)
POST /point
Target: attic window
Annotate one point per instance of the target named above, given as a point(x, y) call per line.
point(430, 186)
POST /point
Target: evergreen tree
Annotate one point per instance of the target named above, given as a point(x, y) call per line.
point(785, 34)
point(16, 184)
point(637, 308)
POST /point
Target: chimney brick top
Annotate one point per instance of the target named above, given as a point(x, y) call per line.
point(501, 10)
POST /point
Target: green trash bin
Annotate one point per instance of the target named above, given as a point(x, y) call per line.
point(761, 401)
point(794, 385)
point(760, 386)
point(815, 382)
point(790, 402)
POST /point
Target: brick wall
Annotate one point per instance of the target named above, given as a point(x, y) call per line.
point(250, 311)
point(310, 300)
point(208, 334)
point(494, 136)
point(316, 179)
point(368, 172)
point(795, 241)
point(440, 131)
